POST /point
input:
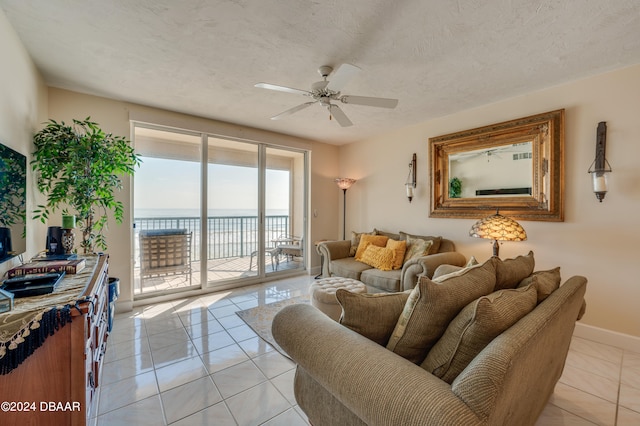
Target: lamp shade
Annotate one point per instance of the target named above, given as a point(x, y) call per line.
point(345, 183)
point(499, 228)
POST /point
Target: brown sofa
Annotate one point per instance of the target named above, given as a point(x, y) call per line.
point(338, 260)
point(344, 378)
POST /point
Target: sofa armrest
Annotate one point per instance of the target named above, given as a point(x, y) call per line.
point(426, 265)
point(332, 250)
point(378, 386)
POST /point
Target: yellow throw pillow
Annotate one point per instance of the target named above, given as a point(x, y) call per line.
point(378, 257)
point(365, 240)
point(416, 247)
point(399, 247)
point(355, 241)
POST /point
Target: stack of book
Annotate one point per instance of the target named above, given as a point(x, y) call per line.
point(45, 266)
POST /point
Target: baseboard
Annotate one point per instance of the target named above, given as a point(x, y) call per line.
point(315, 271)
point(608, 337)
point(124, 307)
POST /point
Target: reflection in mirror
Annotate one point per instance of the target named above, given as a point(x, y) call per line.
point(515, 166)
point(501, 171)
point(13, 212)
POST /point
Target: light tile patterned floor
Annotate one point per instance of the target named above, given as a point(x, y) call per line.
point(195, 362)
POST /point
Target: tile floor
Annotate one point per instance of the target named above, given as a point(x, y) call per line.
point(195, 362)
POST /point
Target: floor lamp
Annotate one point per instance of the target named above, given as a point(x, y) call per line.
point(344, 184)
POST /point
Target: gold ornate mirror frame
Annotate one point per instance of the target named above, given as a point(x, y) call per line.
point(541, 199)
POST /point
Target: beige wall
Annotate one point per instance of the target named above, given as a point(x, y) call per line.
point(114, 117)
point(597, 240)
point(22, 108)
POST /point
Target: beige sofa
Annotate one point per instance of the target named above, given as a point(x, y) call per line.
point(338, 260)
point(344, 378)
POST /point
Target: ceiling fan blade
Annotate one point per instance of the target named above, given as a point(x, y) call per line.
point(339, 115)
point(281, 88)
point(368, 101)
point(292, 110)
point(342, 76)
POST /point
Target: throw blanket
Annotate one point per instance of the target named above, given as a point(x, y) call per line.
point(33, 319)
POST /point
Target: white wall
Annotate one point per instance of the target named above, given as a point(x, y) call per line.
point(114, 116)
point(597, 240)
point(23, 103)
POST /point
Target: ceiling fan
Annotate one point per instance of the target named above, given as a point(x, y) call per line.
point(325, 91)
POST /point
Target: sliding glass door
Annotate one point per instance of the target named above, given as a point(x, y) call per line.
point(284, 208)
point(167, 205)
point(245, 203)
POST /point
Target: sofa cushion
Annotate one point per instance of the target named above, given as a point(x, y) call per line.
point(348, 267)
point(391, 235)
point(416, 247)
point(510, 272)
point(545, 282)
point(399, 248)
point(435, 247)
point(475, 327)
point(431, 307)
point(365, 240)
point(355, 241)
point(379, 257)
point(372, 315)
point(381, 280)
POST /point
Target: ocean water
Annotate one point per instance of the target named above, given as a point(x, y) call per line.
point(231, 232)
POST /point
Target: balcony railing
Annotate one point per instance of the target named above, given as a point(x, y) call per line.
point(227, 236)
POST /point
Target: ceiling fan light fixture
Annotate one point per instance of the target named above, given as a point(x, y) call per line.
point(325, 91)
point(325, 70)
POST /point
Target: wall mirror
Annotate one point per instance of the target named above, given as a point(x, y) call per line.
point(516, 167)
point(13, 203)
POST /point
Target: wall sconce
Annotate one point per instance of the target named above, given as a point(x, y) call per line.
point(411, 179)
point(600, 167)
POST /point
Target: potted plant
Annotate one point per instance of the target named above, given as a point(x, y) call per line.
point(79, 166)
point(455, 187)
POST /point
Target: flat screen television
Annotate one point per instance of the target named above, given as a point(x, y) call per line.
point(13, 203)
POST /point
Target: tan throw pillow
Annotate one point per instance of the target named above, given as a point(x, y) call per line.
point(545, 282)
point(510, 272)
point(365, 240)
point(399, 248)
point(435, 246)
point(355, 241)
point(475, 327)
point(416, 247)
point(431, 307)
point(372, 315)
point(378, 257)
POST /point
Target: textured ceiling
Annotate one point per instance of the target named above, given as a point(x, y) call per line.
point(202, 57)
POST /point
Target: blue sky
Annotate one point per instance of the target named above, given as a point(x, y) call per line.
point(173, 184)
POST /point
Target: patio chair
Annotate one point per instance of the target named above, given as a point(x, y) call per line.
point(290, 246)
point(165, 252)
point(275, 257)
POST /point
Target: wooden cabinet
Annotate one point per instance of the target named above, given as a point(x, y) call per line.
point(60, 379)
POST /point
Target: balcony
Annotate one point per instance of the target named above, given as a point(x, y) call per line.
point(231, 241)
